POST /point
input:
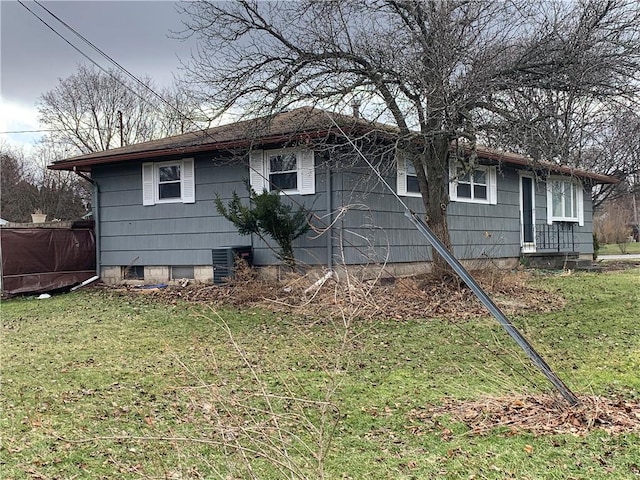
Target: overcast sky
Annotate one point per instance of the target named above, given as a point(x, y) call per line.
point(33, 58)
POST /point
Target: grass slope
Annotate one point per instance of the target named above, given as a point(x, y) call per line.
point(98, 385)
point(614, 249)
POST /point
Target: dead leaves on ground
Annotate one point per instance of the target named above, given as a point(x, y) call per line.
point(398, 298)
point(537, 414)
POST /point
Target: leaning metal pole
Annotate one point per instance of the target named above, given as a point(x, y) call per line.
point(538, 361)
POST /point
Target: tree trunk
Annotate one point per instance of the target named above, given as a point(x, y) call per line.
point(435, 197)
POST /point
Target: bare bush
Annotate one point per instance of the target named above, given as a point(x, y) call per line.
point(612, 225)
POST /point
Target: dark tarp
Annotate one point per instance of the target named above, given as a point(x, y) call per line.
point(37, 260)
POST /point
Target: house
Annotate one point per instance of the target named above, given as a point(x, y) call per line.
point(156, 219)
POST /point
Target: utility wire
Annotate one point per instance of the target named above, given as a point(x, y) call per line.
point(47, 130)
point(35, 131)
point(102, 53)
point(112, 61)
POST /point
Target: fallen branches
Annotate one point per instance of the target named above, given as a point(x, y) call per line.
point(395, 298)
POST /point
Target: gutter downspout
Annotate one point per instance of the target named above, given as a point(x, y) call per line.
point(95, 209)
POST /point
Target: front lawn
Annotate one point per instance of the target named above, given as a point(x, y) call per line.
point(101, 384)
point(614, 248)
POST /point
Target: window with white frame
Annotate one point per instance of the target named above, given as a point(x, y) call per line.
point(407, 179)
point(283, 171)
point(473, 185)
point(564, 200)
point(168, 182)
point(289, 170)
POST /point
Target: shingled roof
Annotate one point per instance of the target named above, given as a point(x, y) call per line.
point(300, 124)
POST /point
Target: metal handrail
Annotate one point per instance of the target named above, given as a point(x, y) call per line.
point(558, 236)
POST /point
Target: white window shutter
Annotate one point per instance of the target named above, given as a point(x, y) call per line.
point(493, 185)
point(257, 171)
point(148, 184)
point(453, 180)
point(580, 200)
point(188, 181)
point(401, 174)
point(306, 173)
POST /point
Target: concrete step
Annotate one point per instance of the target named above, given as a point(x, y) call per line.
point(581, 265)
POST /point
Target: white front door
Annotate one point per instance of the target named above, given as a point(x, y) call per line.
point(527, 214)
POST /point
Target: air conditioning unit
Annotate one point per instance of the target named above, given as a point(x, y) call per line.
point(224, 260)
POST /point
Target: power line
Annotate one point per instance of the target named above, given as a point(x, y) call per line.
point(43, 130)
point(61, 36)
point(102, 53)
point(110, 59)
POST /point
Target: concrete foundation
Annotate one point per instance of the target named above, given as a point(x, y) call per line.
point(204, 273)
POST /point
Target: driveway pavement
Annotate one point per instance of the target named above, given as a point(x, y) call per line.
point(628, 256)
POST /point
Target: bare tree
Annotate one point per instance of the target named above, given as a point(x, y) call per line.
point(63, 195)
point(436, 69)
point(617, 153)
point(614, 223)
point(18, 194)
point(27, 186)
point(179, 112)
point(92, 111)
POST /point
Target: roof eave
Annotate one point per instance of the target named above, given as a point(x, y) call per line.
point(517, 159)
point(85, 164)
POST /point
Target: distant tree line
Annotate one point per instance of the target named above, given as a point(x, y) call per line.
point(27, 187)
point(89, 111)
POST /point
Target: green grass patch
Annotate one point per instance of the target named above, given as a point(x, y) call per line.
point(614, 248)
point(99, 385)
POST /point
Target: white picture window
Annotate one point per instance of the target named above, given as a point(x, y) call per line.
point(290, 170)
point(473, 185)
point(168, 182)
point(564, 200)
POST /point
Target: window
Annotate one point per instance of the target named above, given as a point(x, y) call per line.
point(283, 171)
point(407, 181)
point(477, 185)
point(472, 184)
point(290, 170)
point(168, 182)
point(133, 272)
point(564, 200)
point(180, 272)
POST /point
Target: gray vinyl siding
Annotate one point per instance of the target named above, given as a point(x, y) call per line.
point(172, 234)
point(369, 224)
point(373, 228)
point(309, 248)
point(376, 229)
point(166, 234)
point(488, 231)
